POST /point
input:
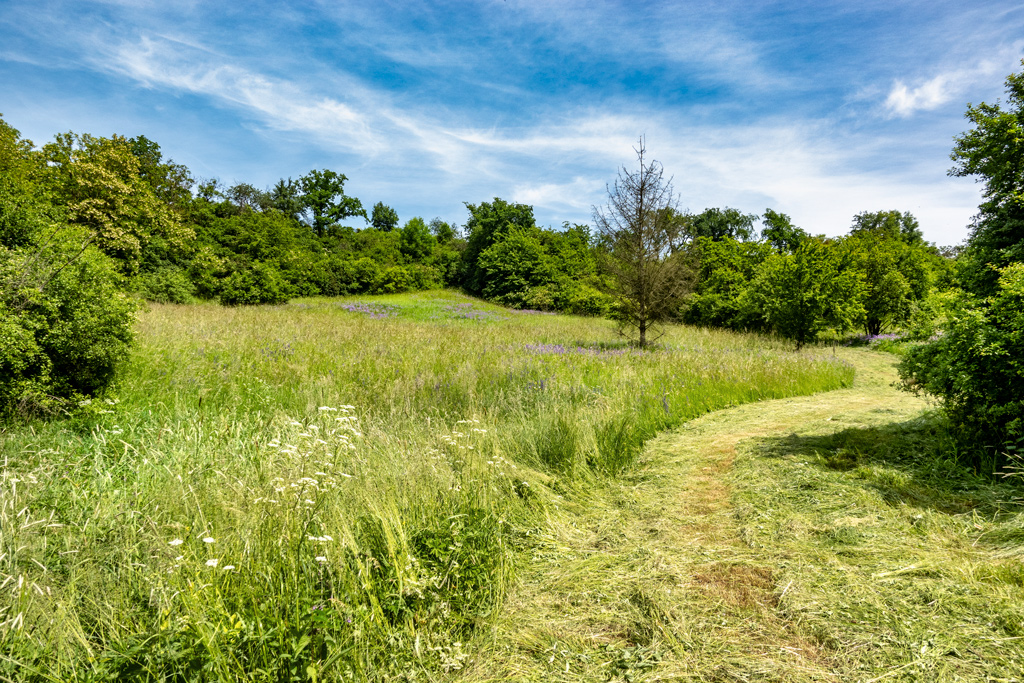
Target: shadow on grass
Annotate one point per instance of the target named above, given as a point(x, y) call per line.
point(913, 463)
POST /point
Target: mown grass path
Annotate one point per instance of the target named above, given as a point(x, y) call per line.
point(777, 541)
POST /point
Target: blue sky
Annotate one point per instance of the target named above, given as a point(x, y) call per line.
point(820, 110)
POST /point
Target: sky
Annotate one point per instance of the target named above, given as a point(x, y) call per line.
point(820, 110)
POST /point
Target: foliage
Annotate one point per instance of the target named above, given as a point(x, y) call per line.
point(257, 284)
point(488, 223)
point(890, 225)
point(383, 217)
point(888, 250)
point(993, 151)
point(648, 279)
point(718, 224)
point(99, 183)
point(780, 232)
point(727, 267)
point(807, 292)
point(513, 265)
point(167, 285)
point(64, 321)
point(323, 194)
point(974, 365)
point(416, 241)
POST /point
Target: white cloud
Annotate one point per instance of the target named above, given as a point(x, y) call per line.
point(282, 105)
point(903, 101)
point(803, 169)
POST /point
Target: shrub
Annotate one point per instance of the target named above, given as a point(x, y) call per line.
point(976, 368)
point(64, 322)
point(166, 286)
point(258, 284)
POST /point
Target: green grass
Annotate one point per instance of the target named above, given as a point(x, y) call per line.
point(373, 483)
point(897, 559)
point(822, 538)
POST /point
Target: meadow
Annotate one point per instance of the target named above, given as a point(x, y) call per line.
point(332, 489)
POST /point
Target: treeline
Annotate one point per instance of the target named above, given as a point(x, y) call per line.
point(89, 225)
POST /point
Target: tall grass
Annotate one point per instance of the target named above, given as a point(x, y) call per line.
point(331, 489)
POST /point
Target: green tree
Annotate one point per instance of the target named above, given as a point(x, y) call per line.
point(727, 267)
point(648, 278)
point(286, 197)
point(780, 232)
point(806, 292)
point(383, 217)
point(896, 276)
point(993, 152)
point(488, 223)
point(99, 184)
point(514, 265)
point(442, 230)
point(323, 194)
point(171, 182)
point(65, 324)
point(891, 225)
point(717, 224)
point(416, 241)
point(248, 197)
point(975, 366)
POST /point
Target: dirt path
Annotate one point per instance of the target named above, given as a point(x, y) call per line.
point(649, 578)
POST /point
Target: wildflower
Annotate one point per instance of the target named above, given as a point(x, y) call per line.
point(321, 558)
point(211, 563)
point(209, 539)
point(176, 542)
point(228, 567)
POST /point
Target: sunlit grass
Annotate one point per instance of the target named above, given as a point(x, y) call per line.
point(331, 488)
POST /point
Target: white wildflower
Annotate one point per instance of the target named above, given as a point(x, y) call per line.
point(209, 539)
point(176, 542)
point(211, 563)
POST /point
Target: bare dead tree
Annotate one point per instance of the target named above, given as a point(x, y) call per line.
point(639, 228)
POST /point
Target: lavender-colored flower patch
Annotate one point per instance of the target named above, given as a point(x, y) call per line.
point(563, 350)
point(870, 339)
point(465, 312)
point(375, 311)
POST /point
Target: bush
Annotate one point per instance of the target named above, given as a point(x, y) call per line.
point(976, 368)
point(258, 284)
point(65, 325)
point(166, 286)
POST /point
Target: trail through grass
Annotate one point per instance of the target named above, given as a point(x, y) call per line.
point(332, 489)
point(820, 538)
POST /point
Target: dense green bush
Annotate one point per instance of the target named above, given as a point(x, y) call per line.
point(258, 284)
point(977, 367)
point(166, 286)
point(65, 322)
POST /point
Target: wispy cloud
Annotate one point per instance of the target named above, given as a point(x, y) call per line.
point(905, 100)
point(183, 65)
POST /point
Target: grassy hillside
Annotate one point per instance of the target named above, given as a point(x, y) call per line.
point(331, 489)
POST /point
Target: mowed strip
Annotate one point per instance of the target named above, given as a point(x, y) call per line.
point(651, 577)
